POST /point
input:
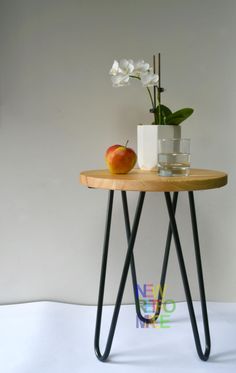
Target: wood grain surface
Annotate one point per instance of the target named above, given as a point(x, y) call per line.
point(150, 181)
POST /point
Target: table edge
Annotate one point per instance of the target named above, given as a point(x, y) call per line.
point(171, 184)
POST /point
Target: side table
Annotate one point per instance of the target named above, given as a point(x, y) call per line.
point(142, 182)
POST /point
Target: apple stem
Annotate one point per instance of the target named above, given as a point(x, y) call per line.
point(126, 143)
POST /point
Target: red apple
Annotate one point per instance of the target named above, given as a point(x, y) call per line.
point(120, 159)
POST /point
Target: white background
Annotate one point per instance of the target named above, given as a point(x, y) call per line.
point(59, 113)
point(54, 337)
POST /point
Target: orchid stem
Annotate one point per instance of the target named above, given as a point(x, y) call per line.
point(148, 89)
point(159, 87)
point(149, 92)
point(154, 87)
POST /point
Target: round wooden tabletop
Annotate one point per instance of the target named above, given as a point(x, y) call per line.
point(150, 181)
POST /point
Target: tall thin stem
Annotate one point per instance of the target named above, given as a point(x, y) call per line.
point(159, 87)
point(154, 87)
point(153, 102)
point(148, 89)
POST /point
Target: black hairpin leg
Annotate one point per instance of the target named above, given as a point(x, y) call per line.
point(132, 238)
point(129, 260)
point(203, 355)
point(158, 302)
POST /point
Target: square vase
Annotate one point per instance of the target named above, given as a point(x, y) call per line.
point(147, 143)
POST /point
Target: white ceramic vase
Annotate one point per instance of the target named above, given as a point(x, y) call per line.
point(147, 142)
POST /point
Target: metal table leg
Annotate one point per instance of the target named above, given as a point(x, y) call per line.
point(203, 355)
point(129, 261)
point(132, 238)
point(158, 302)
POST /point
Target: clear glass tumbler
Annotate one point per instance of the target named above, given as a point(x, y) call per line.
point(173, 157)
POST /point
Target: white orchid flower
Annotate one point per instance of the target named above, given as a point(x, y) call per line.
point(115, 68)
point(120, 80)
point(122, 70)
point(149, 79)
point(140, 67)
point(126, 67)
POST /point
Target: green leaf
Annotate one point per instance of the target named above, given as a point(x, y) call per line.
point(179, 116)
point(165, 111)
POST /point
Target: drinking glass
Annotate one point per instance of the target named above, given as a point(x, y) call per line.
point(174, 157)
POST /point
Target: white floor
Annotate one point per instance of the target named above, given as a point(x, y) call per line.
point(45, 337)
